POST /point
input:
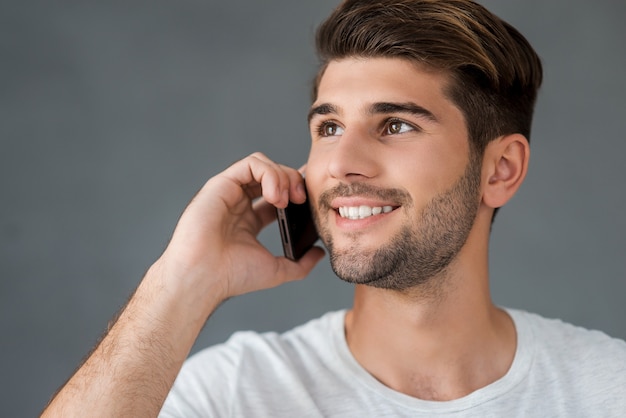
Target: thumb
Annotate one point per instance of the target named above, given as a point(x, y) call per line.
point(289, 270)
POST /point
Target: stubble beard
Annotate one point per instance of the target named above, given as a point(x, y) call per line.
point(422, 250)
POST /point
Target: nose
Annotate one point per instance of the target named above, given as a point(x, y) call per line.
point(353, 157)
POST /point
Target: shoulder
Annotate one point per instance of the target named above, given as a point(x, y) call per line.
point(304, 340)
point(572, 354)
point(570, 340)
point(226, 377)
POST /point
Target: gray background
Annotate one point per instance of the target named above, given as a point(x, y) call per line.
point(113, 114)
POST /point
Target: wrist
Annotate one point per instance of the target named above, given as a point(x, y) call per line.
point(192, 292)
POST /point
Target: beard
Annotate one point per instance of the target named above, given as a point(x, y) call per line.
point(422, 249)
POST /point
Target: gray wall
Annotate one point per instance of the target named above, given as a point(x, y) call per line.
point(113, 114)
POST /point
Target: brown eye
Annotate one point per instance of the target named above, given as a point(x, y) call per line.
point(330, 129)
point(395, 127)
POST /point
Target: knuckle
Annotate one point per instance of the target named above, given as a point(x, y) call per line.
point(258, 156)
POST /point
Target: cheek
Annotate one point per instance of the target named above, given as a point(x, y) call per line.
point(424, 174)
point(314, 175)
point(419, 168)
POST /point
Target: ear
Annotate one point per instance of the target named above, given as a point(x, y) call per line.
point(505, 164)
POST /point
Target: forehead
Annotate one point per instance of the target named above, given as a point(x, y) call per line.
point(360, 81)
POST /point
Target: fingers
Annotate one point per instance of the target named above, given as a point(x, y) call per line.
point(259, 176)
point(291, 185)
point(265, 212)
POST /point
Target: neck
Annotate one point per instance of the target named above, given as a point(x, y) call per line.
point(434, 345)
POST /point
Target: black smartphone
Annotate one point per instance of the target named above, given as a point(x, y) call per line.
point(297, 229)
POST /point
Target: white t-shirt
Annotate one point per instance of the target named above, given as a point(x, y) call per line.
point(559, 370)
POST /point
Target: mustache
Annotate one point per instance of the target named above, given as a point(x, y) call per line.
point(398, 196)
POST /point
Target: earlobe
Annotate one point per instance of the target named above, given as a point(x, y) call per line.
point(505, 165)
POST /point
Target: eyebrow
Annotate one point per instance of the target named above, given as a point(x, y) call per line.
point(377, 108)
point(407, 107)
point(323, 109)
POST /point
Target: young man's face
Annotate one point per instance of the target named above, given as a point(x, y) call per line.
point(389, 174)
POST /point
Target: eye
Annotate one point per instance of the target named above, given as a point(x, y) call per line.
point(329, 129)
point(395, 127)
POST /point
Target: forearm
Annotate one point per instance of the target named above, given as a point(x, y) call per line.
point(131, 371)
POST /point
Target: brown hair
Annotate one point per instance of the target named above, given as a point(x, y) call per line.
point(495, 73)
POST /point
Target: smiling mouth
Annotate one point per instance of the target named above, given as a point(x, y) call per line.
point(362, 212)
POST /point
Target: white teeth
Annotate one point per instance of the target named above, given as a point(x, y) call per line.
point(361, 212)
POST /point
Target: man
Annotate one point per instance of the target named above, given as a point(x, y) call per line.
point(420, 125)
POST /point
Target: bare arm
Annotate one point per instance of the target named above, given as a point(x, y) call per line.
point(213, 255)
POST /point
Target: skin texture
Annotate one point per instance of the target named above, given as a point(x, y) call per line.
point(438, 339)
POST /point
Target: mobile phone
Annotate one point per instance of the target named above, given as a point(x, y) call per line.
point(297, 229)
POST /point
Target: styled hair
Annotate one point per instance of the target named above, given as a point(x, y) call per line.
point(494, 72)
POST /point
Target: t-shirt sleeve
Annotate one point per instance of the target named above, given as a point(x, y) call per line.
point(204, 386)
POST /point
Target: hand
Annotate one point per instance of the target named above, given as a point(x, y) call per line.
point(215, 239)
